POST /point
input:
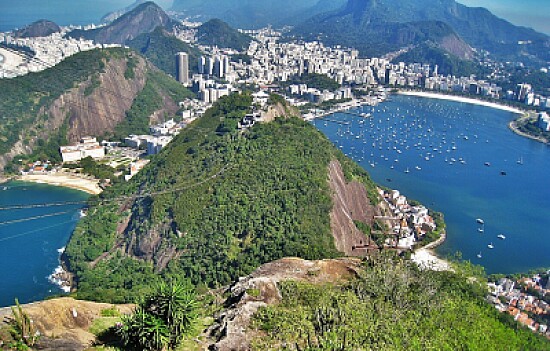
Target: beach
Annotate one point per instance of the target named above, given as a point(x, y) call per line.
point(66, 180)
point(462, 99)
point(427, 259)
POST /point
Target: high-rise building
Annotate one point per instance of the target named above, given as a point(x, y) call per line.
point(182, 68)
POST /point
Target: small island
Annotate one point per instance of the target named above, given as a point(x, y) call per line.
point(535, 126)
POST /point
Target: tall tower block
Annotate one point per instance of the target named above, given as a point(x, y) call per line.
point(182, 68)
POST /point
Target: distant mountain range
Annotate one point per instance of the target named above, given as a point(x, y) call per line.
point(248, 14)
point(142, 19)
point(378, 26)
point(40, 28)
point(111, 16)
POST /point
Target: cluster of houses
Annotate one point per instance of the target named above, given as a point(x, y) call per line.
point(409, 223)
point(522, 299)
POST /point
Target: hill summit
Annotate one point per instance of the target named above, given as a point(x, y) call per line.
point(142, 19)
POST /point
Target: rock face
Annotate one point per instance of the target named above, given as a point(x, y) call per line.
point(101, 110)
point(350, 202)
point(230, 330)
point(64, 322)
point(41, 28)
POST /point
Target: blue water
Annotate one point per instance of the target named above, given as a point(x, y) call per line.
point(516, 204)
point(28, 249)
point(17, 14)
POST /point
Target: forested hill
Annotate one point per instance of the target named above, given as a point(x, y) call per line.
point(160, 47)
point(218, 33)
point(213, 206)
point(98, 92)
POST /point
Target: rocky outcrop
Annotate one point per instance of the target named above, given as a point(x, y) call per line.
point(456, 46)
point(99, 111)
point(350, 202)
point(64, 322)
point(231, 331)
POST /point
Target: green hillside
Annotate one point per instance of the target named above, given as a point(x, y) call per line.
point(218, 33)
point(160, 48)
point(391, 305)
point(22, 97)
point(228, 202)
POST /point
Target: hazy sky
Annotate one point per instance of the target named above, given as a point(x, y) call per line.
point(528, 13)
point(15, 13)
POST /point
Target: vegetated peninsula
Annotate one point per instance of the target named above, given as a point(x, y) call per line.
point(221, 201)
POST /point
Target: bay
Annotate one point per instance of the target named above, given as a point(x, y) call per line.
point(31, 237)
point(465, 162)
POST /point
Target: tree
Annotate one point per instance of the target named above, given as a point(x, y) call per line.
point(162, 318)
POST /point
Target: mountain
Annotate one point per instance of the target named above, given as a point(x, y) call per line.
point(111, 16)
point(142, 19)
point(379, 26)
point(215, 32)
point(41, 28)
point(98, 92)
point(160, 47)
point(249, 14)
point(216, 203)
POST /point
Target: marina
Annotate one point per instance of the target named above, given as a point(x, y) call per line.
point(451, 156)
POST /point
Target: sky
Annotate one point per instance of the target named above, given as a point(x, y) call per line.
point(17, 13)
point(528, 13)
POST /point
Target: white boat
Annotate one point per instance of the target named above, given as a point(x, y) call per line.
point(481, 230)
point(407, 170)
point(490, 246)
point(501, 236)
point(479, 255)
point(480, 221)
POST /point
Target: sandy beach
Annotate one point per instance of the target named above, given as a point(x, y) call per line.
point(65, 180)
point(426, 259)
point(462, 99)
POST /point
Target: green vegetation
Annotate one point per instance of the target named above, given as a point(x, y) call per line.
point(21, 328)
point(149, 100)
point(313, 80)
point(530, 127)
point(448, 64)
point(218, 33)
point(230, 201)
point(160, 48)
point(21, 98)
point(161, 319)
point(392, 305)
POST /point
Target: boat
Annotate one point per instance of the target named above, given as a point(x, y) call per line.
point(488, 164)
point(481, 230)
point(418, 168)
point(502, 173)
point(520, 161)
point(501, 236)
point(479, 255)
point(407, 170)
point(490, 246)
point(480, 221)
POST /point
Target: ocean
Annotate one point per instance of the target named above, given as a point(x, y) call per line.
point(462, 160)
point(31, 239)
point(17, 14)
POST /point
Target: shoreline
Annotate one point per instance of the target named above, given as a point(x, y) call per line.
point(467, 100)
point(64, 180)
point(514, 128)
